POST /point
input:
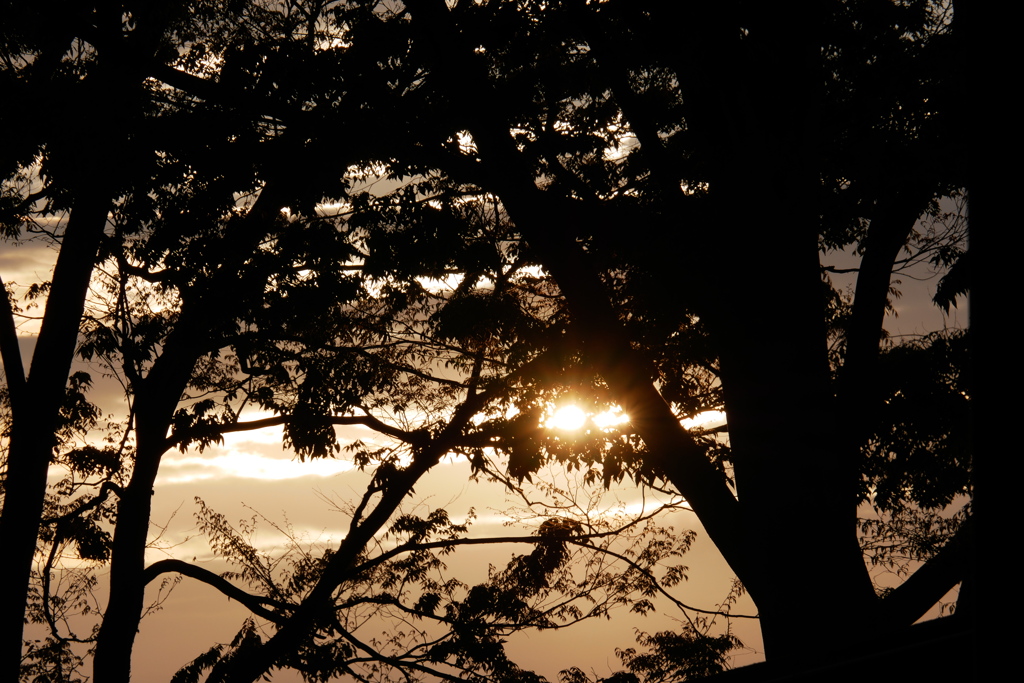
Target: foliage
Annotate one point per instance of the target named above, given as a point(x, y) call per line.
point(691, 653)
point(898, 541)
point(681, 656)
point(442, 626)
point(411, 217)
point(921, 454)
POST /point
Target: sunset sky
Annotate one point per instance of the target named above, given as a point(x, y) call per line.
point(250, 474)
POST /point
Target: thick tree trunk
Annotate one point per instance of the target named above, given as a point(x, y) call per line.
point(763, 300)
point(766, 312)
point(36, 416)
point(86, 158)
point(796, 493)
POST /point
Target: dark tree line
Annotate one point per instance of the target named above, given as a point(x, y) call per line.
point(638, 211)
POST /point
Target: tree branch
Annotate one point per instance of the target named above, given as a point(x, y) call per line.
point(161, 276)
point(105, 488)
point(887, 235)
point(392, 661)
point(543, 220)
point(254, 603)
point(10, 352)
point(581, 541)
point(214, 430)
point(915, 596)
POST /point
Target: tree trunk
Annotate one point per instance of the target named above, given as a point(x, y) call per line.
point(86, 160)
point(36, 417)
point(116, 639)
point(797, 498)
point(156, 401)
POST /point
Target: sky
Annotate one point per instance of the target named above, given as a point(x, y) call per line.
point(308, 504)
point(250, 474)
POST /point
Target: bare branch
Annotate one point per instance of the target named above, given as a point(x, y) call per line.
point(255, 603)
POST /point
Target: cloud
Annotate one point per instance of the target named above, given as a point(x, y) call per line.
point(245, 460)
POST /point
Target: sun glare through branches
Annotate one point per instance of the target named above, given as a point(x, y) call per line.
point(570, 418)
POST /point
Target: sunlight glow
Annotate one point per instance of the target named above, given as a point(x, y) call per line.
point(610, 418)
point(567, 418)
point(706, 419)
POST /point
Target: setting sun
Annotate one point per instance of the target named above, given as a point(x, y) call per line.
point(568, 418)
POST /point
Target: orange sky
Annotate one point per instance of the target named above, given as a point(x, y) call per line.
point(251, 472)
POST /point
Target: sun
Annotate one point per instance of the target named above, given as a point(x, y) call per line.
point(570, 418)
point(567, 418)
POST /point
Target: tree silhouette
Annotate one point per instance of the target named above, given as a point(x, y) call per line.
point(730, 195)
point(206, 296)
point(637, 208)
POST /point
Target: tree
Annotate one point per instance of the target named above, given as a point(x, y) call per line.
point(85, 164)
point(841, 109)
point(557, 124)
point(523, 103)
point(833, 115)
point(206, 297)
point(155, 198)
